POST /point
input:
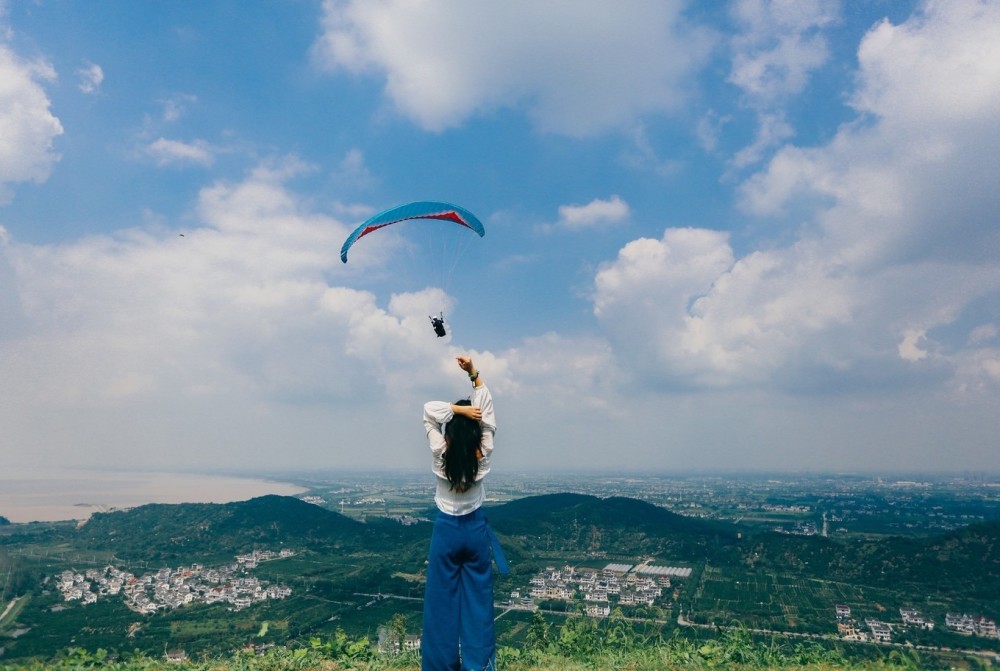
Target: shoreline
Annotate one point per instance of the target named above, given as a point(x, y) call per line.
point(74, 495)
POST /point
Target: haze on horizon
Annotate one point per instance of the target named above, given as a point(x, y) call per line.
point(751, 236)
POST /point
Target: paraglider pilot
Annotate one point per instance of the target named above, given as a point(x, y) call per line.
point(438, 325)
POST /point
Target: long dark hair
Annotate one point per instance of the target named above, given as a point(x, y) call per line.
point(461, 460)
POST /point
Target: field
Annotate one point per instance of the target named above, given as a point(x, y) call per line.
point(784, 603)
point(776, 602)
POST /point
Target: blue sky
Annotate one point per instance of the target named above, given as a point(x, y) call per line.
point(754, 235)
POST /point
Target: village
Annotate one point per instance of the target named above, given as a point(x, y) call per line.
point(621, 584)
point(878, 631)
point(171, 588)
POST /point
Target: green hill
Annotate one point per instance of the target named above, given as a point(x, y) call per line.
point(343, 569)
point(163, 531)
point(575, 523)
point(550, 511)
point(965, 562)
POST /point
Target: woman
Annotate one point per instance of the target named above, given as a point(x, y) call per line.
point(458, 599)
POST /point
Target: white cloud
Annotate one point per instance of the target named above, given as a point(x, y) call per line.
point(683, 310)
point(173, 152)
point(575, 68)
point(177, 106)
point(141, 330)
point(942, 66)
point(27, 126)
point(772, 130)
point(918, 181)
point(899, 239)
point(91, 77)
point(597, 213)
point(983, 333)
point(216, 347)
point(709, 128)
point(910, 347)
point(780, 45)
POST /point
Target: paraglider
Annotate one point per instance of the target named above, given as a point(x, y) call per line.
point(437, 323)
point(423, 209)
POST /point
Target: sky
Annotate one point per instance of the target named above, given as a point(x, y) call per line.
point(757, 235)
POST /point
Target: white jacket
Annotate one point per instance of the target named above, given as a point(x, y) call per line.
point(436, 415)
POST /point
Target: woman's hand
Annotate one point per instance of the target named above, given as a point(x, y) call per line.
point(465, 363)
point(470, 411)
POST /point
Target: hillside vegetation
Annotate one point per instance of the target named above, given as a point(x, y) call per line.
point(350, 576)
point(574, 647)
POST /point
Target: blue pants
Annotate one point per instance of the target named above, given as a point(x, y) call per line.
point(458, 599)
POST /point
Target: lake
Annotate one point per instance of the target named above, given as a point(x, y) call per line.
point(46, 496)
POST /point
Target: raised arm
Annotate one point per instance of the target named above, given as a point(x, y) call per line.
point(476, 410)
point(439, 413)
point(481, 410)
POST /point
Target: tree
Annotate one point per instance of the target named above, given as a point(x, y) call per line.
point(539, 633)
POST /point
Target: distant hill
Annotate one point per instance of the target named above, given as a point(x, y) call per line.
point(4, 520)
point(613, 525)
point(966, 561)
point(555, 522)
point(962, 562)
point(166, 530)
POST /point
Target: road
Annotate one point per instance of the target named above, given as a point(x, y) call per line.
point(993, 656)
point(684, 622)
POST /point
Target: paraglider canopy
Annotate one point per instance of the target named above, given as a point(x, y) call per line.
point(424, 209)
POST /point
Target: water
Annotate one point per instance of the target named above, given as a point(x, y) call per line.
point(45, 496)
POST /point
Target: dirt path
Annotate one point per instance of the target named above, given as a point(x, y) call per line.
point(8, 608)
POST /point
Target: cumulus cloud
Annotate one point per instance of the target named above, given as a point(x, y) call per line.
point(91, 76)
point(684, 310)
point(576, 68)
point(243, 339)
point(28, 126)
point(598, 213)
point(918, 180)
point(174, 152)
point(899, 241)
point(133, 336)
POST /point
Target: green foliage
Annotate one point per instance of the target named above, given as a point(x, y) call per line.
point(539, 633)
point(581, 643)
point(576, 522)
point(163, 533)
point(965, 562)
point(343, 648)
point(345, 570)
point(617, 643)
